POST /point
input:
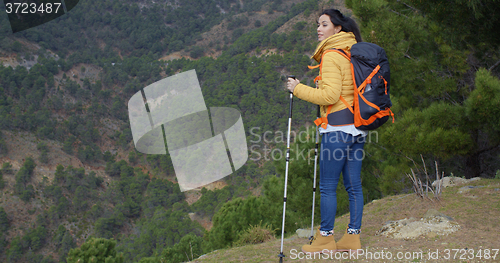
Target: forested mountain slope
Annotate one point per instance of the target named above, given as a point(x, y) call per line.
point(69, 167)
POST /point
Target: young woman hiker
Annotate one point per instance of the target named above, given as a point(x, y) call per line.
point(342, 143)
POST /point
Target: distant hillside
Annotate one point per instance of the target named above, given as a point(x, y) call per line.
point(70, 170)
point(132, 28)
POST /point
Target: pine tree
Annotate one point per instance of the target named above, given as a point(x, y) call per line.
point(434, 50)
point(96, 250)
point(4, 221)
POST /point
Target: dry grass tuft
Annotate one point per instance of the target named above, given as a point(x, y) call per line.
point(255, 234)
point(421, 189)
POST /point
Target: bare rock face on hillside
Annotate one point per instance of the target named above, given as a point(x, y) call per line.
point(453, 181)
point(431, 225)
point(303, 232)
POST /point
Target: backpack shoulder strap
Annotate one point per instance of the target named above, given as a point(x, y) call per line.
point(340, 51)
point(323, 121)
point(343, 53)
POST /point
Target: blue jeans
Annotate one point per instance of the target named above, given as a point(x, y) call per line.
point(341, 152)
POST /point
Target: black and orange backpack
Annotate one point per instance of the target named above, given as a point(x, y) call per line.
point(371, 77)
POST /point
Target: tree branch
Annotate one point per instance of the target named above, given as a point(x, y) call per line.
point(494, 66)
point(398, 13)
point(486, 149)
point(411, 7)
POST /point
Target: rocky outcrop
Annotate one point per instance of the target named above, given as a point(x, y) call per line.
point(303, 232)
point(453, 181)
point(431, 225)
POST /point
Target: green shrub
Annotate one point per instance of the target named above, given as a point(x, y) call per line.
point(7, 167)
point(255, 234)
point(2, 182)
point(299, 25)
point(96, 250)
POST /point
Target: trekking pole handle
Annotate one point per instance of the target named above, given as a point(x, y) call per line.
point(293, 77)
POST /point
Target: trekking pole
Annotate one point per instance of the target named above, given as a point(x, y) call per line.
point(281, 255)
point(314, 181)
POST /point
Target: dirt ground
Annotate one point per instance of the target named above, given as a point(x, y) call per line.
point(477, 211)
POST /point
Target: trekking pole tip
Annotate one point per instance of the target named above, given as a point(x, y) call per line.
point(281, 256)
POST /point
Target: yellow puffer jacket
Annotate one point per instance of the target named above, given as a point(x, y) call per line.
point(336, 75)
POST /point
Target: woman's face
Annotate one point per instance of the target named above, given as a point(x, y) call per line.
point(326, 28)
